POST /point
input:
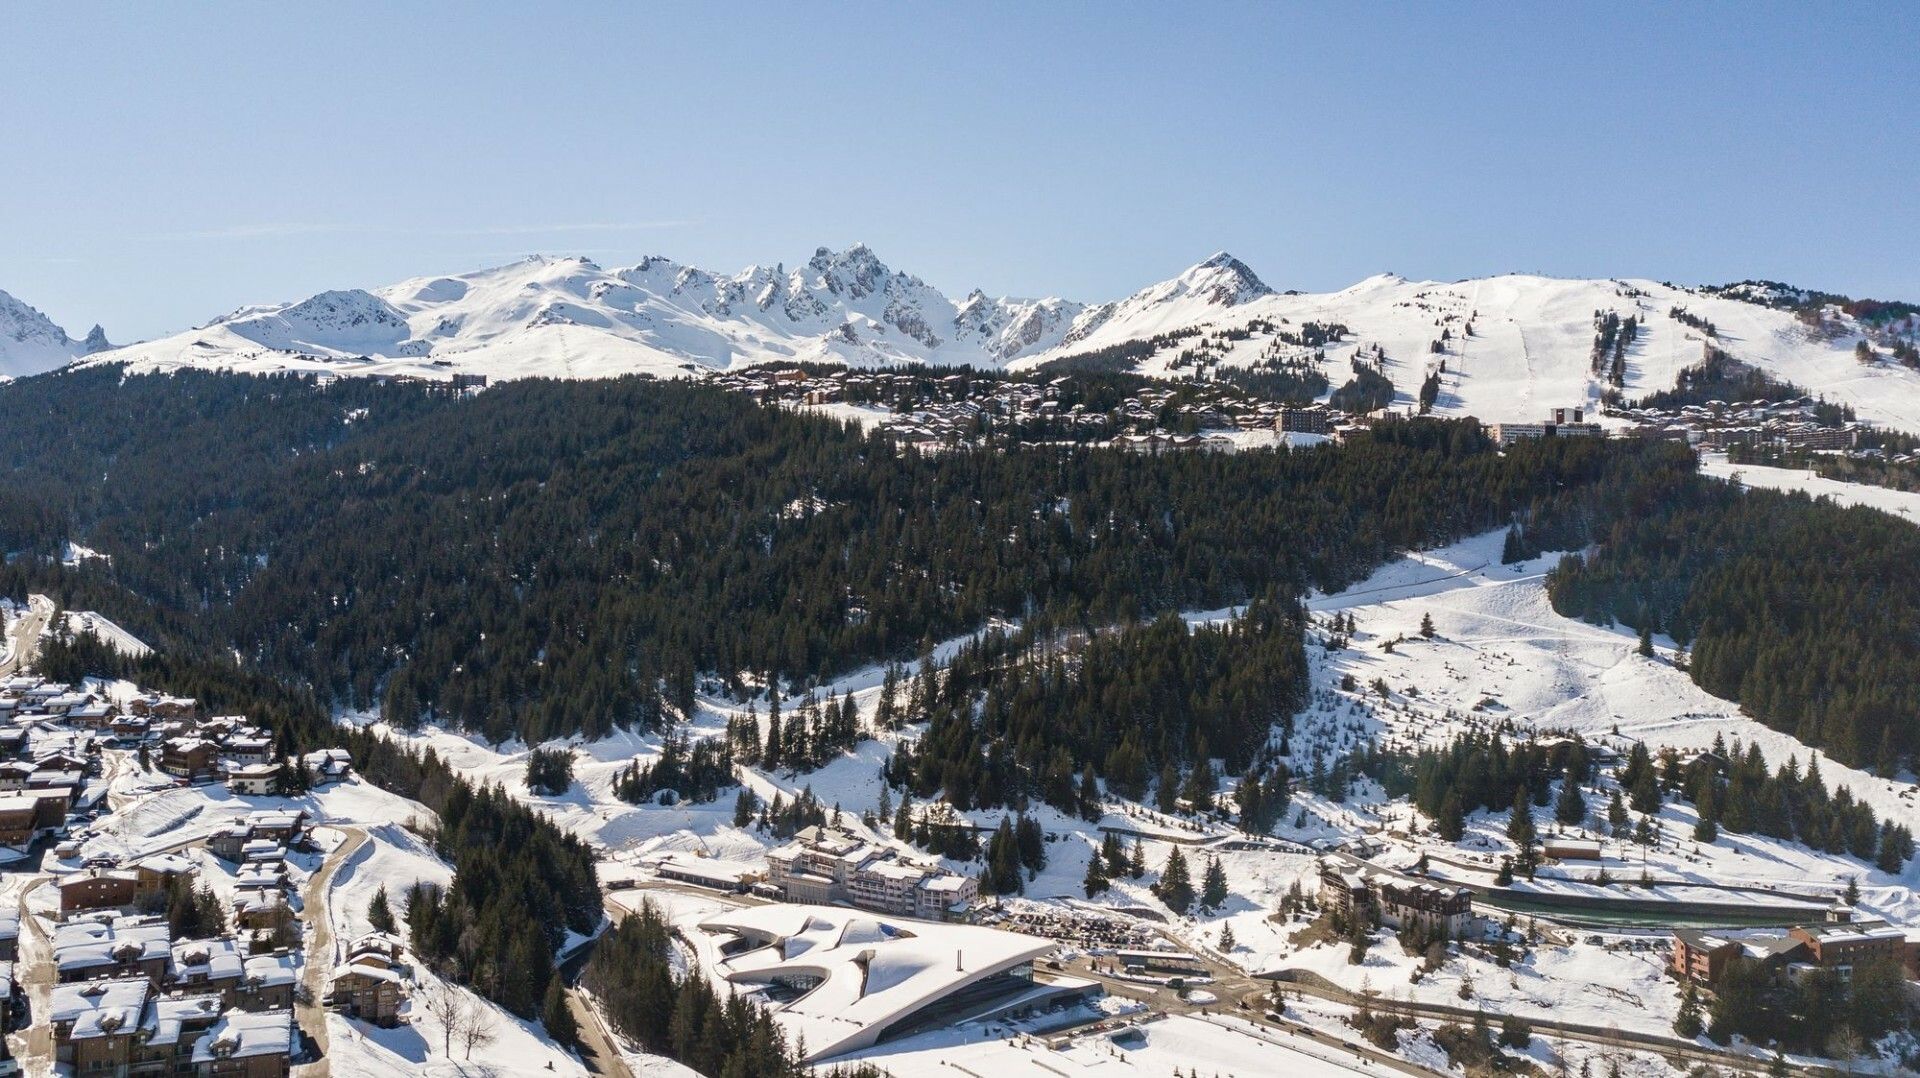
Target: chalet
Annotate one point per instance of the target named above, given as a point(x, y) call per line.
point(227, 842)
point(1395, 902)
point(190, 758)
point(207, 966)
point(256, 780)
point(14, 775)
point(31, 814)
point(246, 1045)
point(283, 826)
point(156, 873)
point(262, 915)
point(267, 982)
point(327, 765)
point(9, 936)
point(98, 889)
point(165, 707)
point(249, 750)
point(1571, 849)
point(122, 947)
point(1431, 908)
point(368, 992)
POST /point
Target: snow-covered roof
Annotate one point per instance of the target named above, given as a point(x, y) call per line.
point(99, 1007)
point(83, 944)
point(872, 970)
point(238, 1034)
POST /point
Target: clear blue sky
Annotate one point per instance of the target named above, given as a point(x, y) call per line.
point(161, 164)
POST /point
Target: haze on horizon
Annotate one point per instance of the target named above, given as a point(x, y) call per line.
point(166, 165)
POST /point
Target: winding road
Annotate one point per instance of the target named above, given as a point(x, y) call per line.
point(311, 1012)
point(23, 641)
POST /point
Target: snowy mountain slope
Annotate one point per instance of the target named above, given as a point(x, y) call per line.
point(1532, 342)
point(1530, 346)
point(31, 343)
point(569, 317)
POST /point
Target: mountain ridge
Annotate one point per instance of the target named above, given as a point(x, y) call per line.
point(1503, 348)
point(30, 342)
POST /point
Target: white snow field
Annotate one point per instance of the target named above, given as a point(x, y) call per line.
point(1900, 503)
point(1530, 348)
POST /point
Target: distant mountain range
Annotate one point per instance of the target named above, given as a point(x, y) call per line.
point(1530, 347)
point(31, 343)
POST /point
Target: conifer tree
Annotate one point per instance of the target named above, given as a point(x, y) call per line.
point(1213, 885)
point(1095, 881)
point(1688, 1024)
point(1520, 821)
point(1571, 807)
point(379, 913)
point(557, 1016)
point(1176, 885)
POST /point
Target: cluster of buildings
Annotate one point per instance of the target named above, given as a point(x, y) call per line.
point(933, 410)
point(129, 1000)
point(1702, 956)
point(1790, 424)
point(186, 744)
point(1559, 423)
point(1434, 909)
point(47, 765)
point(827, 866)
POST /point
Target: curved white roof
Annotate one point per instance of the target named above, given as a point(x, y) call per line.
point(873, 969)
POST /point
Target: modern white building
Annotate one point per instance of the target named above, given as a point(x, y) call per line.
point(844, 979)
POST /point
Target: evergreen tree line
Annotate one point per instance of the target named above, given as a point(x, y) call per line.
point(1367, 391)
point(1481, 770)
point(1819, 1012)
point(697, 771)
point(549, 771)
point(1733, 790)
point(1611, 337)
point(1018, 717)
point(1804, 612)
point(551, 558)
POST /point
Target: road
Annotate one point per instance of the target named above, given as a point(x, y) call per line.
point(23, 642)
point(312, 1013)
point(36, 977)
point(1245, 998)
point(1607, 1038)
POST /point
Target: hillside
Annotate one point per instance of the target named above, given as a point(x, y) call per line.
point(1510, 346)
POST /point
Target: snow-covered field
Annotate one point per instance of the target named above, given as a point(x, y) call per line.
point(1900, 503)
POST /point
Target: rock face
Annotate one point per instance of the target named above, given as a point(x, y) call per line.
point(31, 343)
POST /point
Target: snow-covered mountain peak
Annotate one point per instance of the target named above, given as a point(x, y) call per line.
point(1224, 280)
point(30, 342)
